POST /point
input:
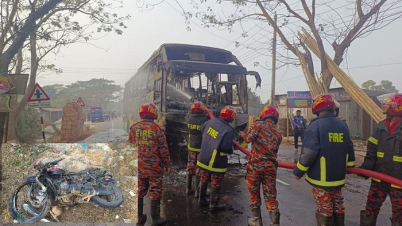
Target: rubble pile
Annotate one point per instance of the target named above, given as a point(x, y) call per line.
point(72, 123)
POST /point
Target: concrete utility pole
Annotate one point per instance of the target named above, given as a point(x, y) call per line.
point(273, 65)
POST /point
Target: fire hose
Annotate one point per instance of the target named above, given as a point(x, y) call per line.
point(364, 172)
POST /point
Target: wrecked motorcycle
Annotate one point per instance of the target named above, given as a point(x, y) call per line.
point(33, 198)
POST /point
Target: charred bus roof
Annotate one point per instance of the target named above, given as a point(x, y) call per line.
point(187, 52)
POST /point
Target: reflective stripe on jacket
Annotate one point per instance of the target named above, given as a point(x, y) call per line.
point(384, 152)
point(194, 122)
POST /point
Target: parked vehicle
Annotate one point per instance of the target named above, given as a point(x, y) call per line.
point(97, 114)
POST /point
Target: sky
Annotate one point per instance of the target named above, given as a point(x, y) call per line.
point(117, 57)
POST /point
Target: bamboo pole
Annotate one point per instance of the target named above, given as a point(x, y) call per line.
point(347, 83)
point(311, 82)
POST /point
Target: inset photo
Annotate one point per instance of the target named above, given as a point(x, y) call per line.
point(69, 183)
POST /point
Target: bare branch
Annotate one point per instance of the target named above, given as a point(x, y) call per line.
point(340, 48)
point(359, 8)
point(275, 26)
point(293, 12)
point(313, 10)
point(10, 19)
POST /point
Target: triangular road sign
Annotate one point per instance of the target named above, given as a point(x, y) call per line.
point(38, 94)
point(81, 102)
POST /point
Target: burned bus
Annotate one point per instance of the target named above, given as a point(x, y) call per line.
point(177, 74)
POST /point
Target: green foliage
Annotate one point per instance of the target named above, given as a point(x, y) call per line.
point(253, 97)
point(95, 92)
point(384, 85)
point(28, 126)
point(27, 152)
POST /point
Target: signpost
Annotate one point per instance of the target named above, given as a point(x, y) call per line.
point(299, 99)
point(37, 95)
point(39, 105)
point(80, 102)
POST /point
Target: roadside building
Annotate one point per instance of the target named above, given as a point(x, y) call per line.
point(359, 121)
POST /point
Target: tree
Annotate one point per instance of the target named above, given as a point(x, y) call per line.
point(337, 26)
point(12, 42)
point(60, 27)
point(384, 85)
point(95, 92)
point(253, 97)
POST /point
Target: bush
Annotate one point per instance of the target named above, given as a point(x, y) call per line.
point(28, 126)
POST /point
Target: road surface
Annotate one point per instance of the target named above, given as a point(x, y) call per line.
point(296, 203)
point(107, 132)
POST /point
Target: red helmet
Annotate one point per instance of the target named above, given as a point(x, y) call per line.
point(269, 111)
point(323, 102)
point(148, 111)
point(197, 107)
point(229, 113)
point(394, 101)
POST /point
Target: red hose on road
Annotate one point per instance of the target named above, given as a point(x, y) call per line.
point(367, 173)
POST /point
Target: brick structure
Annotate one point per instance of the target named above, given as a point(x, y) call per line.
point(72, 123)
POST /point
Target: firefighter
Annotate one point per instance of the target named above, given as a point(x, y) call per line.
point(262, 164)
point(153, 158)
point(326, 153)
point(384, 155)
point(215, 147)
point(194, 121)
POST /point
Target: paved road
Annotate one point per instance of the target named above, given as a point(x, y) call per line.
point(296, 202)
point(107, 132)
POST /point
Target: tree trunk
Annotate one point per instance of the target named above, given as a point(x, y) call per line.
point(12, 123)
point(32, 76)
point(7, 56)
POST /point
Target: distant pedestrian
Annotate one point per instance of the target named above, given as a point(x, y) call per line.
point(299, 125)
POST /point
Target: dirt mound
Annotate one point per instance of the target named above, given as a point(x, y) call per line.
point(119, 160)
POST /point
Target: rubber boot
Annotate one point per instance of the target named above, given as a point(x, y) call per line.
point(155, 213)
point(202, 200)
point(214, 205)
point(339, 219)
point(142, 218)
point(256, 220)
point(197, 186)
point(189, 180)
point(275, 215)
point(367, 220)
point(324, 220)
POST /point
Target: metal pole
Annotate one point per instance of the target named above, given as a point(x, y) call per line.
point(273, 65)
point(41, 124)
point(7, 127)
point(287, 122)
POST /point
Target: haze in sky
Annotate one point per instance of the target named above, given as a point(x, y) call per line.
point(117, 57)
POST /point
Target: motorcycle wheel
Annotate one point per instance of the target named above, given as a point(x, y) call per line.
point(110, 201)
point(20, 198)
